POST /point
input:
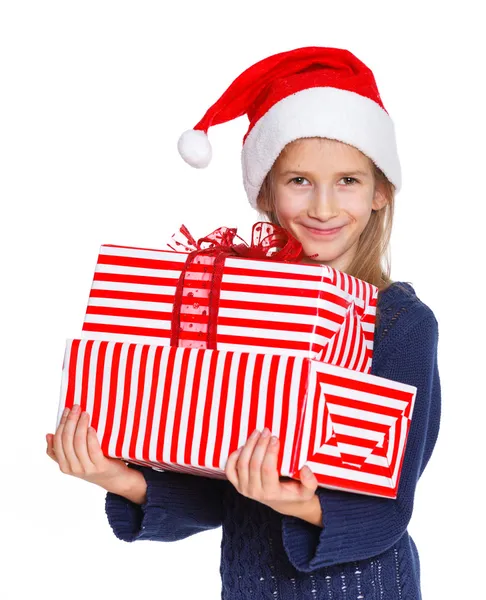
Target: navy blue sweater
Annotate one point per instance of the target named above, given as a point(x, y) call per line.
point(364, 551)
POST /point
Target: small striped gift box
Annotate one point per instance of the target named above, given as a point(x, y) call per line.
point(307, 311)
point(188, 409)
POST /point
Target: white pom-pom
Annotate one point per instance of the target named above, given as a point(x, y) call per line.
point(195, 149)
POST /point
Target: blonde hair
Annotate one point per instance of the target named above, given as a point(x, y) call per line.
point(372, 261)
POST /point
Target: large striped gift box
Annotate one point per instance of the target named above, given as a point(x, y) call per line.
point(187, 410)
point(308, 311)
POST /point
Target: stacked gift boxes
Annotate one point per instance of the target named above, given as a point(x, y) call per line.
point(292, 350)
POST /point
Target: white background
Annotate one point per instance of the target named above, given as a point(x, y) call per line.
point(94, 96)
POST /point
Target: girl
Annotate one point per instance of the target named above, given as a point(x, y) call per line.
point(320, 160)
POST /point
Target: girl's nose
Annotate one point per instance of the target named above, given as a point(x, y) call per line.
point(323, 205)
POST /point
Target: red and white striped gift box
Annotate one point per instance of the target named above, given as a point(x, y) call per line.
point(186, 410)
point(310, 311)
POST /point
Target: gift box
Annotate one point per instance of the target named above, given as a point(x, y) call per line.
point(187, 409)
point(233, 298)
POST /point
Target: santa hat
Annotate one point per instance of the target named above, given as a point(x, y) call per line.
point(307, 92)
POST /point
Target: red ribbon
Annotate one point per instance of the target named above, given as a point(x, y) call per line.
point(268, 242)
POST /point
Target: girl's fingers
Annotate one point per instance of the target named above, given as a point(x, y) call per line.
point(94, 449)
point(242, 465)
point(230, 468)
point(57, 443)
point(269, 472)
point(68, 441)
point(255, 466)
point(80, 443)
point(50, 448)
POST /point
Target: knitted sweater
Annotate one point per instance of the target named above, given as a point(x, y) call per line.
point(363, 551)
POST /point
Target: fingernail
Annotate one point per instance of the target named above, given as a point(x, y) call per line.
point(306, 471)
point(255, 434)
point(76, 408)
point(265, 432)
point(274, 440)
point(66, 412)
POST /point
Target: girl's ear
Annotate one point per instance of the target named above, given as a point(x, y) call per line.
point(379, 199)
point(264, 203)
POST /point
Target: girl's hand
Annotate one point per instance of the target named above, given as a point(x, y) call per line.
point(252, 469)
point(76, 449)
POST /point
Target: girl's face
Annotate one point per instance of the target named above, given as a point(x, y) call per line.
point(324, 193)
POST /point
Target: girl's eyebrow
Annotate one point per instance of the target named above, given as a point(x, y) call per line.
point(340, 174)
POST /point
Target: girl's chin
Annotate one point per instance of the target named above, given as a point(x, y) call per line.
point(322, 258)
point(315, 260)
point(311, 261)
point(313, 255)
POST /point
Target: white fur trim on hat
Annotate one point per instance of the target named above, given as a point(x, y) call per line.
point(195, 148)
point(320, 112)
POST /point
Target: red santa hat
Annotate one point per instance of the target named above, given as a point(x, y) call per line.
point(307, 92)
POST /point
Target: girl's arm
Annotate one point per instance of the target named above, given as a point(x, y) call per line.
point(356, 526)
point(176, 505)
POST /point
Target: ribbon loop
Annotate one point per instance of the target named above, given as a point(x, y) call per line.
point(268, 242)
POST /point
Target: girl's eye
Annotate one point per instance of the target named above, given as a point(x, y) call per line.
point(298, 180)
point(353, 180)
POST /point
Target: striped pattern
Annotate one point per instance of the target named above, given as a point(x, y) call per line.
point(310, 311)
point(186, 410)
point(355, 429)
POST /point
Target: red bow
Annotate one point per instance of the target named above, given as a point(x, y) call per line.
point(268, 242)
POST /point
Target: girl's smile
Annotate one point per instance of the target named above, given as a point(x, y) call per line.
point(329, 232)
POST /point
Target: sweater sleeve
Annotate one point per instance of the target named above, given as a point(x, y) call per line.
point(177, 506)
point(357, 526)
